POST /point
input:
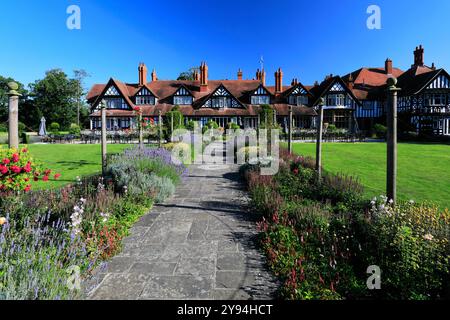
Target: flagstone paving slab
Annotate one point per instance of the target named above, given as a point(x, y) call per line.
point(200, 244)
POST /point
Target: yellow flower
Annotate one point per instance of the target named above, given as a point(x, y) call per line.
point(2, 221)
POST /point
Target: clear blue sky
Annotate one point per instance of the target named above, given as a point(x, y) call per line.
point(307, 39)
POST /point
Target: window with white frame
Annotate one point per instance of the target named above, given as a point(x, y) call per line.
point(336, 100)
point(115, 103)
point(260, 100)
point(300, 100)
point(182, 97)
point(436, 99)
point(260, 96)
point(145, 100)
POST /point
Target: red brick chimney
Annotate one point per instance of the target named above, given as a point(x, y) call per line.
point(263, 77)
point(278, 81)
point(154, 77)
point(196, 75)
point(351, 82)
point(203, 77)
point(419, 56)
point(239, 74)
point(142, 74)
point(294, 82)
point(258, 75)
point(388, 66)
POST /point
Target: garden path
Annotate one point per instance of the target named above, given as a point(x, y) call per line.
point(200, 244)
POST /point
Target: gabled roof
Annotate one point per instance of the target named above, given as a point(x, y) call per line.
point(121, 88)
point(146, 87)
point(320, 90)
point(416, 79)
point(288, 92)
point(200, 102)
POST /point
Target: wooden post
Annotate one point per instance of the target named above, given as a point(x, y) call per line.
point(104, 142)
point(319, 139)
point(141, 132)
point(391, 183)
point(160, 128)
point(171, 125)
point(290, 130)
point(274, 117)
point(13, 133)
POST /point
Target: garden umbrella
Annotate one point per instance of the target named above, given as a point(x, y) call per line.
point(42, 129)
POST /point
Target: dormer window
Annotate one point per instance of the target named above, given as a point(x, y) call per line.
point(336, 100)
point(260, 96)
point(145, 97)
point(298, 97)
point(113, 99)
point(222, 98)
point(183, 97)
point(435, 100)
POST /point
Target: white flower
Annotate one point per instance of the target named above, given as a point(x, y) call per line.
point(428, 237)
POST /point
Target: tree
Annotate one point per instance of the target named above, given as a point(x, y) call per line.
point(80, 76)
point(55, 96)
point(187, 75)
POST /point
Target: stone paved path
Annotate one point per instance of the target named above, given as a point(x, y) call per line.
point(201, 244)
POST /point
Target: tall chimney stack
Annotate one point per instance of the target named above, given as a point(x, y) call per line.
point(419, 57)
point(239, 74)
point(258, 75)
point(203, 77)
point(388, 66)
point(154, 77)
point(263, 77)
point(142, 74)
point(278, 81)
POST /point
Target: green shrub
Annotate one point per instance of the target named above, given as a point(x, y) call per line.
point(75, 129)
point(233, 126)
point(380, 130)
point(332, 128)
point(54, 127)
point(210, 125)
point(22, 128)
point(411, 244)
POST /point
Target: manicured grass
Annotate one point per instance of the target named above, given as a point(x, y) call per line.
point(70, 160)
point(423, 169)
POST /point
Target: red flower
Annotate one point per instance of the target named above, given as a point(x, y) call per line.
point(146, 119)
point(2, 187)
point(16, 169)
point(24, 150)
point(295, 171)
point(27, 168)
point(27, 188)
point(27, 179)
point(3, 169)
point(47, 172)
point(36, 178)
point(45, 178)
point(15, 158)
point(57, 176)
point(137, 109)
point(6, 161)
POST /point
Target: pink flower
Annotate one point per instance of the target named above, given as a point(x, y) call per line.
point(15, 158)
point(6, 161)
point(27, 168)
point(45, 178)
point(24, 150)
point(57, 176)
point(27, 188)
point(3, 169)
point(16, 169)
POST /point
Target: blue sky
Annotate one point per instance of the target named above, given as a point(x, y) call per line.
point(307, 39)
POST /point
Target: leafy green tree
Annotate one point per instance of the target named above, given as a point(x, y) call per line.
point(187, 75)
point(56, 97)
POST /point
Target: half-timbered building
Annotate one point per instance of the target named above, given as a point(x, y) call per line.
point(223, 101)
point(354, 102)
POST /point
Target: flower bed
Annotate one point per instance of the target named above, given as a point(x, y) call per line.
point(320, 237)
point(46, 237)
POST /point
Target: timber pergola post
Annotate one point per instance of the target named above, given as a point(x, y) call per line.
point(319, 138)
point(391, 176)
point(104, 141)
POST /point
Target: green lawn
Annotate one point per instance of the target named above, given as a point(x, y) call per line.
point(70, 160)
point(423, 169)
